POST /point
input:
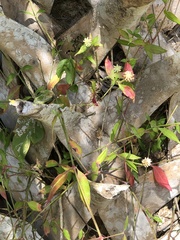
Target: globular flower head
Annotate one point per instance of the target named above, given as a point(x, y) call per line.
point(87, 41)
point(117, 68)
point(128, 73)
point(146, 162)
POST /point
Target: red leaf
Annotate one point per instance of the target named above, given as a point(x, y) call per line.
point(62, 88)
point(129, 175)
point(108, 66)
point(160, 177)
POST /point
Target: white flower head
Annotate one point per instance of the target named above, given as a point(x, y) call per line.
point(146, 162)
point(128, 76)
point(117, 68)
point(87, 41)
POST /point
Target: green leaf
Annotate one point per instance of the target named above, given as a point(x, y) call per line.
point(18, 205)
point(111, 157)
point(26, 12)
point(132, 166)
point(171, 16)
point(157, 219)
point(96, 42)
point(34, 206)
point(153, 49)
point(169, 134)
point(91, 59)
point(66, 234)
point(26, 68)
point(82, 49)
point(51, 163)
point(10, 78)
point(125, 43)
point(70, 71)
point(115, 131)
point(123, 34)
point(138, 132)
point(40, 11)
point(84, 188)
point(138, 42)
point(61, 67)
point(102, 156)
point(81, 235)
point(126, 223)
point(28, 130)
point(36, 131)
point(129, 156)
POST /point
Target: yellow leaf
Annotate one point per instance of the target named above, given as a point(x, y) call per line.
point(75, 147)
point(54, 80)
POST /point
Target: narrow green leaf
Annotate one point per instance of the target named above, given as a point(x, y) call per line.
point(51, 163)
point(171, 16)
point(40, 11)
point(91, 59)
point(82, 49)
point(26, 12)
point(26, 68)
point(132, 166)
point(84, 188)
point(123, 34)
point(129, 156)
point(102, 156)
point(126, 43)
point(126, 223)
point(96, 42)
point(169, 134)
point(115, 130)
point(94, 171)
point(34, 206)
point(66, 234)
point(157, 219)
point(10, 78)
point(111, 157)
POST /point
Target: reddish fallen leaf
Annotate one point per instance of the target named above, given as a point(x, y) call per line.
point(129, 175)
point(63, 88)
point(160, 177)
point(108, 66)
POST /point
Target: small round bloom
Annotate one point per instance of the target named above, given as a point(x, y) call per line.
point(87, 41)
point(117, 68)
point(128, 76)
point(146, 162)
